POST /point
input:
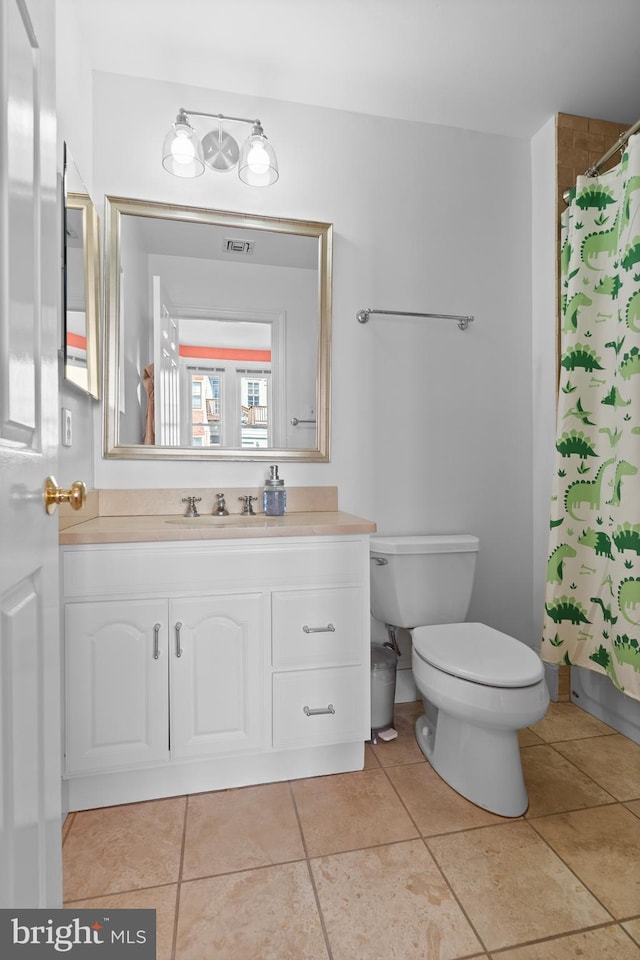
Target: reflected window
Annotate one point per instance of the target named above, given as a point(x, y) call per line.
point(206, 397)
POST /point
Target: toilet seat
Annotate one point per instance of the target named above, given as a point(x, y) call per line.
point(478, 653)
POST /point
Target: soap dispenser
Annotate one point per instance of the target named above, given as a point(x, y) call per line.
point(274, 498)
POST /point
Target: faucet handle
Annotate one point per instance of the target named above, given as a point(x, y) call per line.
point(248, 510)
point(192, 510)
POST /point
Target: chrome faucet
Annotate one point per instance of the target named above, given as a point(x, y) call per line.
point(220, 509)
point(247, 510)
point(192, 510)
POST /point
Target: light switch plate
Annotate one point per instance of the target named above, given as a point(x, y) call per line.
point(67, 428)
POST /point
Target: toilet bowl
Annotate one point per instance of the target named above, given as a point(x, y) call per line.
point(479, 686)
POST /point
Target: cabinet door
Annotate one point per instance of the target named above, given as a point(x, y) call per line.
point(217, 661)
point(116, 670)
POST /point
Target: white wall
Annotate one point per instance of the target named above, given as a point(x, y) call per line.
point(544, 346)
point(431, 426)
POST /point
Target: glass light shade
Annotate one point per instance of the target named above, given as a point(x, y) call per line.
point(258, 165)
point(182, 153)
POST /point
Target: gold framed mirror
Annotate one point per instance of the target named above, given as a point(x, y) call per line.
point(218, 334)
point(81, 285)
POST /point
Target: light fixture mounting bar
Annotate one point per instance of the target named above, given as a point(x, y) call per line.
point(217, 116)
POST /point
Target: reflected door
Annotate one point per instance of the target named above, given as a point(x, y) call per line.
point(166, 335)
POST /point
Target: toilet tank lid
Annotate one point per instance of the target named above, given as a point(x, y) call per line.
point(424, 543)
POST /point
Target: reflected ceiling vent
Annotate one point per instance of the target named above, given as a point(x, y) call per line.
point(238, 246)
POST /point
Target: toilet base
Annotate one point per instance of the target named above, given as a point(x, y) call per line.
point(480, 763)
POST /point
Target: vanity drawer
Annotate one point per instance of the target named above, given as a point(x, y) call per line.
point(317, 627)
point(314, 707)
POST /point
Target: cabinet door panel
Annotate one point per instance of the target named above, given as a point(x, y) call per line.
point(116, 689)
point(216, 693)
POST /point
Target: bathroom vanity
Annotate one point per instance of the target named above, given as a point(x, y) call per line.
point(202, 656)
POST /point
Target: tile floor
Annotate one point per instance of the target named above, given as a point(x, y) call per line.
point(387, 863)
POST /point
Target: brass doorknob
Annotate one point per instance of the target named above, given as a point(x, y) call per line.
point(53, 495)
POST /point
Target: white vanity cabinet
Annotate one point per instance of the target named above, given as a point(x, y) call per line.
point(152, 680)
point(194, 666)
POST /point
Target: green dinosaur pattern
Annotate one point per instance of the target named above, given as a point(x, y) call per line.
point(599, 541)
point(598, 243)
point(629, 599)
point(593, 566)
point(556, 560)
point(585, 491)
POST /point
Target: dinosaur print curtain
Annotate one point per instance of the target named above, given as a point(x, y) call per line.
point(592, 603)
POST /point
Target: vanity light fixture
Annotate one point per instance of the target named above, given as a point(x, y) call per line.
point(185, 155)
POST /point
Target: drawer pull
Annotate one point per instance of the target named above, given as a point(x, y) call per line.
point(316, 711)
point(156, 643)
point(328, 629)
point(178, 647)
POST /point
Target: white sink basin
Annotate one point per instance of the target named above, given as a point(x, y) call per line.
point(237, 520)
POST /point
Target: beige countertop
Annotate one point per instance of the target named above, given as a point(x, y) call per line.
point(136, 529)
point(139, 516)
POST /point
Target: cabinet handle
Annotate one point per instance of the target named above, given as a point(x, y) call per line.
point(156, 642)
point(178, 647)
point(328, 629)
point(316, 711)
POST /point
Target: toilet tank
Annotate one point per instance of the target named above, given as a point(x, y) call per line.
point(418, 580)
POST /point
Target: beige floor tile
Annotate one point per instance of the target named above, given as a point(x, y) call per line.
point(240, 829)
point(633, 929)
point(512, 886)
point(409, 711)
point(527, 738)
point(602, 846)
point(123, 848)
point(370, 759)
point(390, 903)
point(433, 804)
point(160, 899)
point(634, 806)
point(350, 810)
point(566, 721)
point(607, 943)
point(555, 785)
point(405, 748)
point(613, 762)
point(66, 826)
point(270, 914)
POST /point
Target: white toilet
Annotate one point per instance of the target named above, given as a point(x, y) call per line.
point(479, 686)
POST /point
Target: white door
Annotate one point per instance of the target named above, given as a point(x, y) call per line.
point(30, 842)
point(166, 358)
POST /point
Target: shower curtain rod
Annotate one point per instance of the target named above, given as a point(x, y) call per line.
point(362, 316)
point(593, 170)
point(620, 142)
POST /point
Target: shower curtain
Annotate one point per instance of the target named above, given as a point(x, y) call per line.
point(592, 602)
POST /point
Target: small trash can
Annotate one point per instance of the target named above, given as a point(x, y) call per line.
point(384, 663)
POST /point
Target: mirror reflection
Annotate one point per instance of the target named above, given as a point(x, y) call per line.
point(218, 334)
point(81, 285)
